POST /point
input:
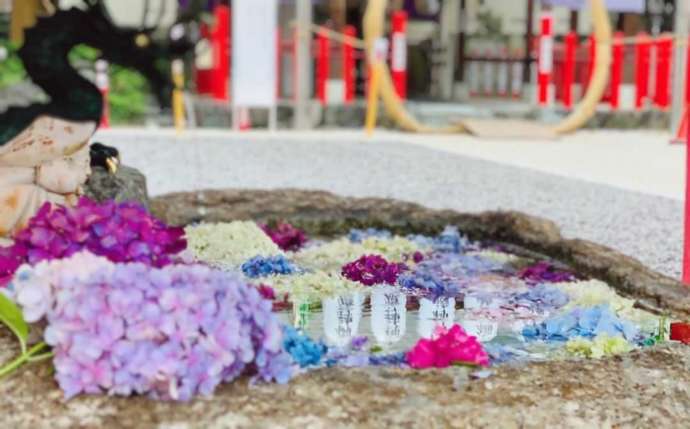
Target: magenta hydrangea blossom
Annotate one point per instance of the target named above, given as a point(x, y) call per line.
point(171, 333)
point(544, 272)
point(448, 347)
point(122, 232)
point(372, 270)
point(285, 236)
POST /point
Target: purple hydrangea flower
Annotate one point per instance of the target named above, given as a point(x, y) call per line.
point(121, 232)
point(429, 283)
point(170, 333)
point(372, 270)
point(544, 272)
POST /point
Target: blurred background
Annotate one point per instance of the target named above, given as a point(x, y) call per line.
point(459, 58)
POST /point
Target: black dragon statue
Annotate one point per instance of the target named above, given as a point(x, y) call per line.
point(44, 148)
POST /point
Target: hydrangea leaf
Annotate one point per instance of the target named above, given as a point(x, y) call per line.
point(11, 316)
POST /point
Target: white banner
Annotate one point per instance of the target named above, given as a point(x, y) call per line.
point(254, 52)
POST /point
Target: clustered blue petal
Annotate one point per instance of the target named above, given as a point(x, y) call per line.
point(582, 322)
point(359, 235)
point(394, 359)
point(304, 351)
point(450, 240)
point(429, 283)
point(543, 298)
point(261, 266)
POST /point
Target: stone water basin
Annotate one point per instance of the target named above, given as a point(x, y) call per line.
point(648, 387)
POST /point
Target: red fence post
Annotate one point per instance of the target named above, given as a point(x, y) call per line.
point(687, 78)
point(662, 94)
point(545, 57)
point(221, 51)
point(592, 57)
point(323, 66)
point(686, 247)
point(569, 69)
point(349, 64)
point(293, 54)
point(399, 53)
point(279, 64)
point(642, 50)
point(616, 70)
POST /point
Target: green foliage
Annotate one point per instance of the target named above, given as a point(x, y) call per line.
point(11, 69)
point(129, 98)
point(12, 317)
point(129, 90)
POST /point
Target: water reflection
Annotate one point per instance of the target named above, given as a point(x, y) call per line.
point(484, 329)
point(439, 312)
point(388, 315)
point(341, 317)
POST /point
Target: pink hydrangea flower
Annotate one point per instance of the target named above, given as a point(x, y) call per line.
point(285, 236)
point(448, 347)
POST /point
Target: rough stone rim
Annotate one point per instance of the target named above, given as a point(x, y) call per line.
point(326, 214)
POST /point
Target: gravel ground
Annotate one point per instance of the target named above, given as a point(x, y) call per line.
point(643, 226)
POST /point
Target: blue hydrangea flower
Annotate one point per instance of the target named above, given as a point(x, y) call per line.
point(261, 266)
point(359, 235)
point(394, 359)
point(456, 266)
point(543, 298)
point(304, 351)
point(429, 283)
point(582, 322)
point(450, 240)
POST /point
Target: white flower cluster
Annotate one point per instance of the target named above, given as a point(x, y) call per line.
point(332, 256)
point(229, 245)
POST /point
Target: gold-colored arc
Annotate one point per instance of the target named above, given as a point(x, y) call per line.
point(373, 25)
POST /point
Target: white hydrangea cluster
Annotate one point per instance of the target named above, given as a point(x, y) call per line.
point(394, 249)
point(312, 286)
point(229, 245)
point(332, 256)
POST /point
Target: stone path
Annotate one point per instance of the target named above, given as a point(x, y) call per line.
point(431, 171)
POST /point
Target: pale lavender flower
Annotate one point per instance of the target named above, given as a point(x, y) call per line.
point(170, 333)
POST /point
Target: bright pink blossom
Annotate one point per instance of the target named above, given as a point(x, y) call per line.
point(448, 347)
